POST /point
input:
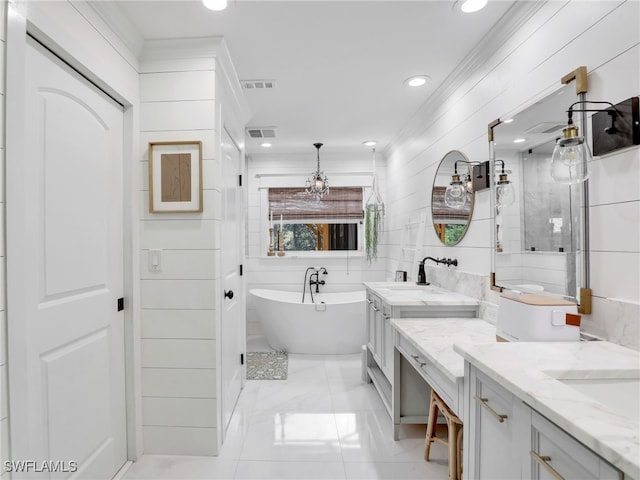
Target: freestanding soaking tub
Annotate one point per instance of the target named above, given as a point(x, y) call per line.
point(334, 324)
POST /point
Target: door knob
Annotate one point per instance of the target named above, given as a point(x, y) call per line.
point(228, 294)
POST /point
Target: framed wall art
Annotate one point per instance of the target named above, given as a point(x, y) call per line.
point(175, 177)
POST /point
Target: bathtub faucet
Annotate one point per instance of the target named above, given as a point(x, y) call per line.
point(317, 282)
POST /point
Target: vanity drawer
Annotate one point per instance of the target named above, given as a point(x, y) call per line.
point(555, 454)
point(443, 385)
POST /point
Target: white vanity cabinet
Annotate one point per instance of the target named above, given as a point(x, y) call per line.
point(380, 337)
point(552, 454)
point(493, 429)
point(504, 438)
point(402, 300)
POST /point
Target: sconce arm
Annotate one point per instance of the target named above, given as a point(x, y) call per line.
point(613, 112)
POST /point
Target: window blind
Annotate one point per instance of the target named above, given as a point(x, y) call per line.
point(294, 203)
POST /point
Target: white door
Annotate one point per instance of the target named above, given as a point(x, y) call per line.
point(65, 275)
point(232, 321)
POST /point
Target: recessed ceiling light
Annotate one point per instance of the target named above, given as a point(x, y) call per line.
point(215, 5)
point(417, 80)
point(520, 140)
point(369, 143)
point(470, 6)
point(265, 145)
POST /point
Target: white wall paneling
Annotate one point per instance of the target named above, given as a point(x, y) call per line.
point(179, 412)
point(509, 75)
point(183, 85)
point(179, 383)
point(178, 353)
point(179, 440)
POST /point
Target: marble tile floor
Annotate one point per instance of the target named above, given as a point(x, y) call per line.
point(322, 422)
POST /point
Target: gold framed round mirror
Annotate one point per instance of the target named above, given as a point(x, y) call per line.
point(452, 198)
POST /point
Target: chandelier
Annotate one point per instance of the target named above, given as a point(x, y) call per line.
point(318, 184)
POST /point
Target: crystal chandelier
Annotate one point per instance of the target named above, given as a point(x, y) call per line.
point(318, 184)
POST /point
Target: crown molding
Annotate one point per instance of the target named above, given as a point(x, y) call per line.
point(508, 25)
point(113, 17)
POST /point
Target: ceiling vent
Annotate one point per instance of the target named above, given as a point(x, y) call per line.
point(546, 127)
point(261, 132)
point(258, 84)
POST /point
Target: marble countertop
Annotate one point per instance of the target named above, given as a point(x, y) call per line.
point(435, 337)
point(408, 293)
point(533, 371)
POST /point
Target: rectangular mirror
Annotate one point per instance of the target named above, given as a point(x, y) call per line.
point(541, 237)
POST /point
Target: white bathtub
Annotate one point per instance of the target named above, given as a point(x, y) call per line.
point(334, 324)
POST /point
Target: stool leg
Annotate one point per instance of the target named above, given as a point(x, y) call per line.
point(431, 426)
point(459, 455)
point(452, 432)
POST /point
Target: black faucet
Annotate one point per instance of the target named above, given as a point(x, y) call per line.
point(422, 277)
point(317, 282)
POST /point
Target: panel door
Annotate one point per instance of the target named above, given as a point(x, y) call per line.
point(65, 264)
point(232, 321)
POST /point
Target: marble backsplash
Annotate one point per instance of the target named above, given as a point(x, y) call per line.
point(614, 320)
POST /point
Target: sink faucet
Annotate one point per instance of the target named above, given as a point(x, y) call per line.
point(422, 277)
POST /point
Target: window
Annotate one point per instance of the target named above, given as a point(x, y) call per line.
point(310, 224)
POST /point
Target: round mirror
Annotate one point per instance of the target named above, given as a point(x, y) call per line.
point(452, 198)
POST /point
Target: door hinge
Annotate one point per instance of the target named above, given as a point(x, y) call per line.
point(121, 304)
point(241, 270)
point(239, 180)
point(242, 359)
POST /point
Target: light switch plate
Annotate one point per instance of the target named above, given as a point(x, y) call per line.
point(155, 260)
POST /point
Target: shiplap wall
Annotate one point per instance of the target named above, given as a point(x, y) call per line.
point(346, 272)
point(178, 318)
point(557, 38)
point(5, 451)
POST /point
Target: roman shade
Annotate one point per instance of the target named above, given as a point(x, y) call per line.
point(341, 203)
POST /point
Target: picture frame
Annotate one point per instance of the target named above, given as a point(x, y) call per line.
point(175, 177)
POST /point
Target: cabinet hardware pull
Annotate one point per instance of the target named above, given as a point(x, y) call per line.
point(387, 317)
point(483, 401)
point(417, 359)
point(544, 462)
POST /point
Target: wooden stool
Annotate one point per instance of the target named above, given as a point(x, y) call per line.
point(454, 435)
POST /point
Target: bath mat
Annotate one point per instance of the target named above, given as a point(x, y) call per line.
point(266, 366)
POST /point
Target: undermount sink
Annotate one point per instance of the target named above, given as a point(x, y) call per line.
point(407, 286)
point(619, 391)
point(416, 292)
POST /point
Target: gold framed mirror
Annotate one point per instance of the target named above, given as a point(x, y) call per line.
point(540, 239)
point(452, 198)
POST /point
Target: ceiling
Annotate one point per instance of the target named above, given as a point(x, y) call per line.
point(338, 66)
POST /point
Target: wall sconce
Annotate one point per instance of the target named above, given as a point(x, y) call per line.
point(458, 193)
point(505, 193)
point(612, 130)
point(455, 196)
